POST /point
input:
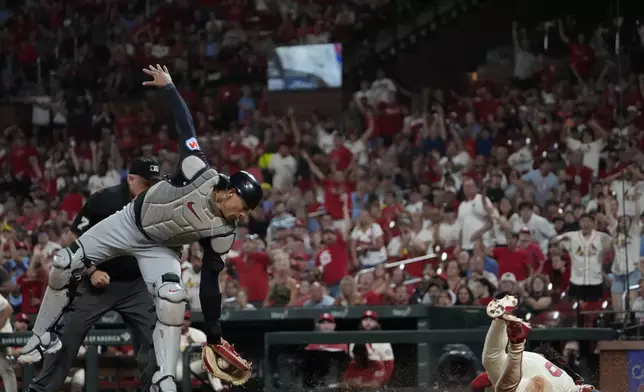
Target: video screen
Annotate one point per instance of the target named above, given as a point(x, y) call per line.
point(305, 67)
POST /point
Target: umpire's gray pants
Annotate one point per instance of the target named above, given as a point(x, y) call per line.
point(131, 300)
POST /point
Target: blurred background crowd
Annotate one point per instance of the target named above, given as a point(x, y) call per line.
point(523, 177)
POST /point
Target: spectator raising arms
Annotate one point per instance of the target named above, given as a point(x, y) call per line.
point(586, 248)
point(473, 216)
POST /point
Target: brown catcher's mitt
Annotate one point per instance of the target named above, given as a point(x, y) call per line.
point(223, 362)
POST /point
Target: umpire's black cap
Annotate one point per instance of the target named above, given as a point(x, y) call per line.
point(147, 167)
point(247, 187)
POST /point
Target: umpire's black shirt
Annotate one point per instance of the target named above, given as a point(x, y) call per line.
point(99, 206)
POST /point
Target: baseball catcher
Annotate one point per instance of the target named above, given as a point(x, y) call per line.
point(195, 203)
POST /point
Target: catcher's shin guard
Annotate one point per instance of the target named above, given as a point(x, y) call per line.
point(170, 306)
point(222, 361)
point(69, 264)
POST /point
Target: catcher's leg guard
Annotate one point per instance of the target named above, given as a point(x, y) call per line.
point(68, 264)
point(171, 306)
point(222, 361)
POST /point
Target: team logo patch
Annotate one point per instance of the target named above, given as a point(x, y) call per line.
point(192, 144)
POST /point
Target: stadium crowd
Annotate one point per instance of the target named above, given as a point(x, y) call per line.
point(530, 186)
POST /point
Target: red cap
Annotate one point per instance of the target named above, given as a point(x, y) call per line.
point(326, 317)
point(370, 314)
point(22, 317)
point(187, 315)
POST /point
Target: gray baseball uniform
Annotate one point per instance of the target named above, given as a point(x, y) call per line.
point(126, 294)
point(171, 213)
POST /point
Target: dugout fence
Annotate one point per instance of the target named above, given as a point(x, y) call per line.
point(417, 352)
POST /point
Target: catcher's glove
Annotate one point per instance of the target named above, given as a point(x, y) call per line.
point(222, 361)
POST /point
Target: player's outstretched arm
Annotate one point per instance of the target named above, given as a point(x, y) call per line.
point(187, 136)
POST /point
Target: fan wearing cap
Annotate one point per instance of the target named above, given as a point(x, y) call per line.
point(541, 230)
point(194, 203)
point(511, 259)
point(318, 357)
point(377, 351)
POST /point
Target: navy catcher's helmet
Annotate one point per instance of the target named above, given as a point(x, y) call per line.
point(247, 188)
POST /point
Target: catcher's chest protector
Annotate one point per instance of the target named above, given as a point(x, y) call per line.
point(178, 216)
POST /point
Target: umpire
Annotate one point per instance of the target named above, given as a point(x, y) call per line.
point(116, 285)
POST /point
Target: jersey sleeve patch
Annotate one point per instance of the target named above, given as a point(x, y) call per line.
point(192, 144)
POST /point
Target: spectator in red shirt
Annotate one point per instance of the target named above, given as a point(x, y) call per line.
point(391, 118)
point(560, 274)
point(576, 175)
point(238, 155)
point(532, 250)
point(31, 218)
point(32, 286)
point(337, 190)
point(23, 158)
point(126, 120)
point(28, 54)
point(252, 269)
point(374, 286)
point(513, 260)
point(582, 55)
point(340, 157)
point(72, 202)
point(332, 260)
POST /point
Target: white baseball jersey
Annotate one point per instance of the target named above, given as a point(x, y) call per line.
point(534, 364)
point(377, 351)
point(586, 256)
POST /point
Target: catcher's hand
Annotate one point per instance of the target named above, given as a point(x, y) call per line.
point(161, 76)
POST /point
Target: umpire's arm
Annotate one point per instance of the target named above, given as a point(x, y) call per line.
point(86, 218)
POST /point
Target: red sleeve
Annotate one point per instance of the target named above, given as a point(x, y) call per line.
point(538, 256)
point(389, 370)
point(263, 259)
point(373, 298)
point(32, 152)
point(340, 240)
point(378, 372)
point(352, 372)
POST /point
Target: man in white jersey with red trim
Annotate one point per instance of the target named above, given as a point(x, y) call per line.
point(514, 369)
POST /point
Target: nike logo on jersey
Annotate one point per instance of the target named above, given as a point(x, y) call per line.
point(191, 207)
